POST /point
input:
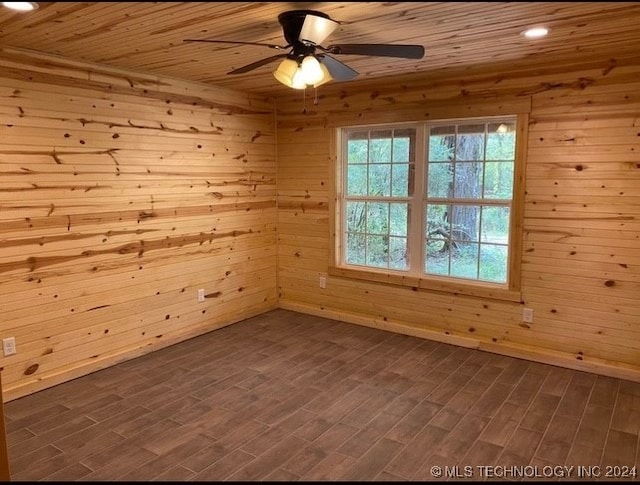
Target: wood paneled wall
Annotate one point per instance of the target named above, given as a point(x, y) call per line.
point(120, 196)
point(581, 252)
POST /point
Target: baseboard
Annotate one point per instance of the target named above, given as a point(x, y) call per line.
point(535, 354)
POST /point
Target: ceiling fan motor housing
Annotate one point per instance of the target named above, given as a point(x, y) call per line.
point(292, 22)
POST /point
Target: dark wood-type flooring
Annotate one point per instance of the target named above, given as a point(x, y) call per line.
point(285, 396)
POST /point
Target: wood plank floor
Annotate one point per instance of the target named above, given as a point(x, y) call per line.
point(285, 396)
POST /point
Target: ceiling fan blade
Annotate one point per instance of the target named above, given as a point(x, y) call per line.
point(338, 70)
point(382, 50)
point(254, 65)
point(271, 46)
point(316, 29)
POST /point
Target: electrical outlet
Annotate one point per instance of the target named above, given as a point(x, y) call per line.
point(9, 346)
point(323, 282)
point(201, 294)
point(527, 315)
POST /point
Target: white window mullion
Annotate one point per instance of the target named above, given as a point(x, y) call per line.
point(480, 215)
point(416, 228)
point(342, 222)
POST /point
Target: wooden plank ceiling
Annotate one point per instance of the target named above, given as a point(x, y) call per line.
point(148, 37)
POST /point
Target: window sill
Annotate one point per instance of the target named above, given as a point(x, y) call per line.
point(479, 290)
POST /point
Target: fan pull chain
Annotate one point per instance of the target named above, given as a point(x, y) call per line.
point(304, 101)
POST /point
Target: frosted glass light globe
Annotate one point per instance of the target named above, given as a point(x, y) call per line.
point(311, 70)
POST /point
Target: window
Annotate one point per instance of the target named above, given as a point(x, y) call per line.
point(378, 197)
point(432, 200)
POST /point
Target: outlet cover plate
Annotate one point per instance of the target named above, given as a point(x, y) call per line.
point(9, 346)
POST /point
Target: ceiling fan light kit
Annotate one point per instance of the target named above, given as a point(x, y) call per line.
point(302, 67)
point(310, 72)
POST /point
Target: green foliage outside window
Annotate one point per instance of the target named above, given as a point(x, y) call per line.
point(377, 231)
point(473, 162)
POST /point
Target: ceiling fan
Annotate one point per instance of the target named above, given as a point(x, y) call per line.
point(308, 63)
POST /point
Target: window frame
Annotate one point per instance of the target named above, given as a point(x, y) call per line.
point(509, 291)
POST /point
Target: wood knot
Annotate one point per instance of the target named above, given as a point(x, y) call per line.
point(146, 215)
point(609, 283)
point(31, 369)
point(585, 82)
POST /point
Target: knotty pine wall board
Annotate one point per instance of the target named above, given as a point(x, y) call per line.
point(121, 194)
point(579, 262)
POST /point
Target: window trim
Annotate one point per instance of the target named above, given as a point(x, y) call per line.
point(511, 291)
